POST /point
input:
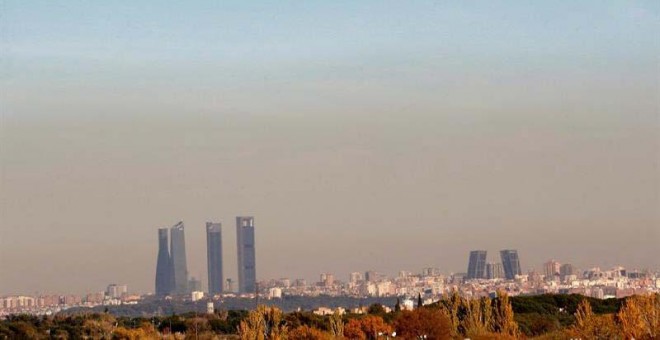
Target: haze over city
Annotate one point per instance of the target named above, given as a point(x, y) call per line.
point(372, 136)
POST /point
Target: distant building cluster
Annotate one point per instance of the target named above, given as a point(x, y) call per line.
point(482, 278)
point(49, 304)
point(171, 268)
point(432, 285)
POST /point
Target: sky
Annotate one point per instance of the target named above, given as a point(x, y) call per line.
point(370, 135)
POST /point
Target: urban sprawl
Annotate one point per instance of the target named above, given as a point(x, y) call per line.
point(482, 278)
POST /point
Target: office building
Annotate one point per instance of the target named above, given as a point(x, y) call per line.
point(116, 291)
point(370, 276)
point(565, 270)
point(179, 266)
point(511, 263)
point(214, 257)
point(551, 270)
point(247, 273)
point(494, 271)
point(164, 277)
point(477, 265)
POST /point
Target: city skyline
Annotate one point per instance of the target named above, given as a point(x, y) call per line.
point(365, 135)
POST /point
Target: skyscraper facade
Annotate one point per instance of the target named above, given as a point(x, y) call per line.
point(494, 271)
point(511, 263)
point(477, 265)
point(163, 265)
point(247, 272)
point(179, 266)
point(551, 270)
point(214, 257)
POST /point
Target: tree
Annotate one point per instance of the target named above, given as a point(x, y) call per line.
point(429, 322)
point(308, 333)
point(376, 309)
point(337, 325)
point(640, 317)
point(478, 317)
point(503, 321)
point(263, 323)
point(367, 327)
point(397, 306)
point(590, 326)
point(196, 326)
point(100, 326)
point(353, 330)
point(420, 303)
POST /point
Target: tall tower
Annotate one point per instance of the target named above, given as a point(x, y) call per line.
point(477, 265)
point(247, 272)
point(214, 257)
point(163, 265)
point(511, 263)
point(179, 266)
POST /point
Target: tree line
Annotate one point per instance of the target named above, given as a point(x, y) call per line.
point(453, 317)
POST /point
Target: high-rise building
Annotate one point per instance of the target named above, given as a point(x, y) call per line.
point(565, 270)
point(214, 257)
point(355, 277)
point(327, 279)
point(551, 269)
point(163, 265)
point(370, 276)
point(179, 266)
point(116, 291)
point(494, 271)
point(247, 272)
point(511, 263)
point(477, 265)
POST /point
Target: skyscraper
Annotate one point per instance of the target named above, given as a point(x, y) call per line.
point(477, 265)
point(511, 263)
point(163, 265)
point(494, 271)
point(179, 266)
point(214, 257)
point(247, 272)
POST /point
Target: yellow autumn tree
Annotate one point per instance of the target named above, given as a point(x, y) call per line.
point(503, 321)
point(640, 317)
point(591, 326)
point(478, 317)
point(337, 325)
point(264, 323)
point(451, 308)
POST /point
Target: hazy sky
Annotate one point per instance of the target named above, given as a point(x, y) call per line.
point(361, 135)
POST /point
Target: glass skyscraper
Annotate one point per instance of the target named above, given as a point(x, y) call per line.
point(179, 267)
point(214, 257)
point(163, 265)
point(511, 263)
point(247, 273)
point(477, 265)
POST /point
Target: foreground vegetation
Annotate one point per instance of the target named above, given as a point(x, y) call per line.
point(541, 317)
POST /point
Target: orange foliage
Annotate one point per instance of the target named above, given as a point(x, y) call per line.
point(640, 317)
point(308, 333)
point(367, 327)
point(423, 321)
point(591, 326)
